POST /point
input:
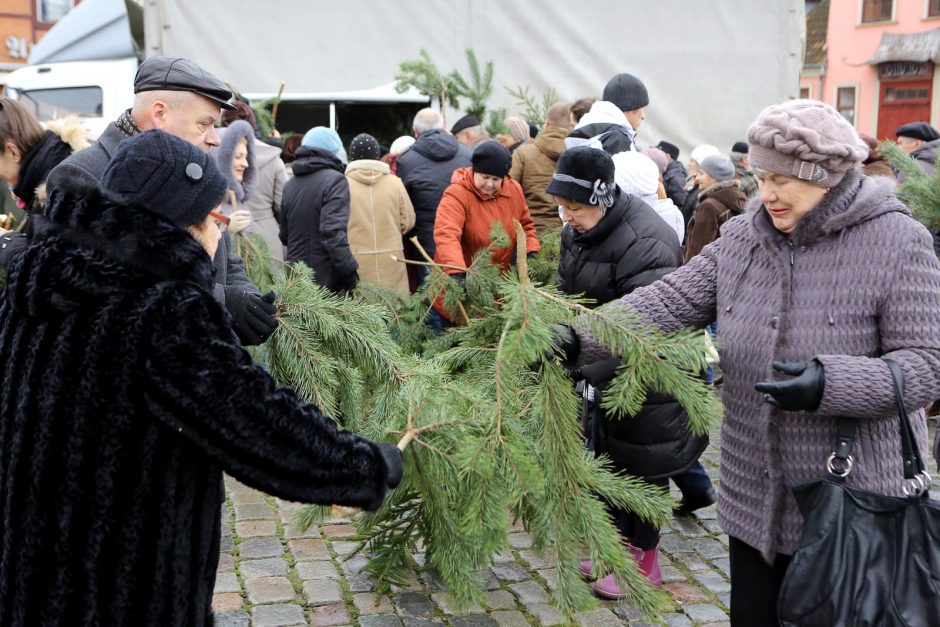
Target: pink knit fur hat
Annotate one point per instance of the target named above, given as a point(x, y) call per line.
point(806, 140)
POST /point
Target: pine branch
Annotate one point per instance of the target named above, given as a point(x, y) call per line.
point(259, 264)
point(919, 191)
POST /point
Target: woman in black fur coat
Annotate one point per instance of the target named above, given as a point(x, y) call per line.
point(125, 394)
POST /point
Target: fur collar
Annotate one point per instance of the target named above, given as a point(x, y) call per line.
point(87, 248)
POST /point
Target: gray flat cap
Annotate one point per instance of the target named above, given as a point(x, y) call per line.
point(177, 74)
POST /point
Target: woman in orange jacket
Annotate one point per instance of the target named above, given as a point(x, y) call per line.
point(477, 198)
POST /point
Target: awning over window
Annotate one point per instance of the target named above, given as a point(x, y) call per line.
point(920, 47)
point(95, 29)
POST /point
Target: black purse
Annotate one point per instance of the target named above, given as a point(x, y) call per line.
point(864, 558)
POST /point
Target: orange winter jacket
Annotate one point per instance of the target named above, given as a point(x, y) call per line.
point(465, 217)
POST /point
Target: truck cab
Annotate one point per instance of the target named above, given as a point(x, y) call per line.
point(96, 91)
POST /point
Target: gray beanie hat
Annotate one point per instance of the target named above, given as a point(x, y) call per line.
point(806, 140)
point(718, 167)
point(627, 92)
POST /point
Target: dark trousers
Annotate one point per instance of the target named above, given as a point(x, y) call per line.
point(755, 585)
point(694, 481)
point(641, 534)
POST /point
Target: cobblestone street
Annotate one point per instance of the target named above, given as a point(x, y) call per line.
point(271, 574)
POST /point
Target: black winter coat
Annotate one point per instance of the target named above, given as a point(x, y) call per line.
point(629, 248)
point(315, 219)
point(674, 179)
point(114, 433)
point(426, 169)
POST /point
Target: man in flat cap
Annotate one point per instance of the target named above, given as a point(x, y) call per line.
point(920, 141)
point(179, 97)
point(469, 131)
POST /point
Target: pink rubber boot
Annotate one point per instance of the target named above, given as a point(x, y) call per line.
point(647, 563)
point(587, 565)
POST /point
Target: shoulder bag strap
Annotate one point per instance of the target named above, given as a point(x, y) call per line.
point(913, 463)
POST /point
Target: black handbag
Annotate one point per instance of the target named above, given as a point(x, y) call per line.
point(864, 558)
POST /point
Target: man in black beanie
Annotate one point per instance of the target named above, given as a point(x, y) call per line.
point(612, 122)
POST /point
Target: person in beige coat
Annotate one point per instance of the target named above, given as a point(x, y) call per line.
point(534, 164)
point(380, 212)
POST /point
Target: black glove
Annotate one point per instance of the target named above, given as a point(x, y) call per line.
point(564, 343)
point(804, 392)
point(252, 315)
point(532, 254)
point(460, 277)
point(600, 373)
point(349, 281)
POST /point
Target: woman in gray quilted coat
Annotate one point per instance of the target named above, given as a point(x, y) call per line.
point(824, 275)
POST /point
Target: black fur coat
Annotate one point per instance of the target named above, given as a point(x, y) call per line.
point(124, 396)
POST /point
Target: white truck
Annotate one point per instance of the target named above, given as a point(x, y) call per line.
point(709, 67)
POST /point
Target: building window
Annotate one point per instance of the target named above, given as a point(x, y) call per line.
point(50, 11)
point(877, 10)
point(933, 8)
point(804, 93)
point(845, 103)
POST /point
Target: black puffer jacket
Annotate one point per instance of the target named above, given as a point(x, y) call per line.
point(315, 219)
point(114, 438)
point(426, 169)
point(629, 248)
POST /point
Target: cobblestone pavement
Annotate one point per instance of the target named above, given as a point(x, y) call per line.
point(270, 574)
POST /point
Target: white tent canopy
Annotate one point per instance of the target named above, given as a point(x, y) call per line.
point(94, 30)
point(710, 67)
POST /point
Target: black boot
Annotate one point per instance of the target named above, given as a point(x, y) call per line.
point(689, 504)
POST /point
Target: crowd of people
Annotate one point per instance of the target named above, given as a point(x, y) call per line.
point(127, 393)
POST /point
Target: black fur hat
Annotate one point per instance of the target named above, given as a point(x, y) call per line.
point(584, 175)
point(165, 175)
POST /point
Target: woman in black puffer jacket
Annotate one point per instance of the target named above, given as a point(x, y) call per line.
point(613, 243)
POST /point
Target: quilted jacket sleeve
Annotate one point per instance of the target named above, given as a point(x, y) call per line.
point(205, 387)
point(448, 230)
point(680, 299)
point(909, 327)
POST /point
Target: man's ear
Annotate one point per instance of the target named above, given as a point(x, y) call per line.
point(159, 112)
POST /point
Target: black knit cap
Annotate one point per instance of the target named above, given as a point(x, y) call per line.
point(627, 92)
point(466, 121)
point(584, 175)
point(364, 146)
point(166, 175)
point(492, 158)
point(739, 147)
point(670, 149)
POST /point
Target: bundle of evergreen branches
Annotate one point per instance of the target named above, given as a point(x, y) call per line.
point(919, 191)
point(493, 424)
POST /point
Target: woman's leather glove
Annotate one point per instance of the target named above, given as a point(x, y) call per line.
point(802, 393)
point(252, 315)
